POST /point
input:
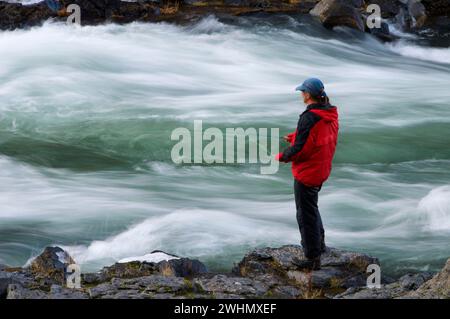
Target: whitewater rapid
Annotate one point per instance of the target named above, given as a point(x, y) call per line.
point(86, 115)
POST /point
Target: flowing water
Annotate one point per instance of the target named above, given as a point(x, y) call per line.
point(86, 116)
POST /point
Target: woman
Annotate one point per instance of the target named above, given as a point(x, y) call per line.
point(312, 149)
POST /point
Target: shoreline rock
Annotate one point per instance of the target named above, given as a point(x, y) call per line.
point(264, 273)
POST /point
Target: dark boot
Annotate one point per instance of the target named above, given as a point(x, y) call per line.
point(307, 264)
point(323, 247)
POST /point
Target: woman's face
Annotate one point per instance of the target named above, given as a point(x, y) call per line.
point(306, 97)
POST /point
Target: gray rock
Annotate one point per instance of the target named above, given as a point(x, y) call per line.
point(144, 287)
point(333, 13)
point(436, 288)
point(414, 281)
point(13, 277)
point(232, 285)
point(17, 291)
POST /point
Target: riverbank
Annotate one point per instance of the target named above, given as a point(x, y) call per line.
point(411, 15)
point(262, 273)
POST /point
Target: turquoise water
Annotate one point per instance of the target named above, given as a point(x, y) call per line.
point(86, 116)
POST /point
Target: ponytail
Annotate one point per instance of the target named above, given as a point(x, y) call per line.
point(322, 98)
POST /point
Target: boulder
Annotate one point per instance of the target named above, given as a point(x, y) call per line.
point(171, 266)
point(340, 269)
point(333, 13)
point(50, 266)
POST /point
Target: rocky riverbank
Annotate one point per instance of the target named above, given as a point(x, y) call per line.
point(408, 14)
point(262, 273)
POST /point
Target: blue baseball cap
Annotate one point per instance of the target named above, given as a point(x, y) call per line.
point(312, 86)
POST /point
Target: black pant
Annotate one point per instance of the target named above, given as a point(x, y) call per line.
point(309, 220)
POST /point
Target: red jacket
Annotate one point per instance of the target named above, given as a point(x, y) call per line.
point(313, 145)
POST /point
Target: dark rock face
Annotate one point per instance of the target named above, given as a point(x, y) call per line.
point(13, 15)
point(437, 7)
point(334, 13)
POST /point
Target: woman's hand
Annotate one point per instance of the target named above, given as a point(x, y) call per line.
point(289, 138)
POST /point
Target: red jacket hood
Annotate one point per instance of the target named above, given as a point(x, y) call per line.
point(329, 114)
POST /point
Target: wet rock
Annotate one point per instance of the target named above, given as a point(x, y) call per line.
point(382, 33)
point(333, 13)
point(436, 288)
point(50, 266)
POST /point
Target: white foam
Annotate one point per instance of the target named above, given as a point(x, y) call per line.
point(436, 207)
point(186, 232)
point(151, 258)
point(440, 55)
